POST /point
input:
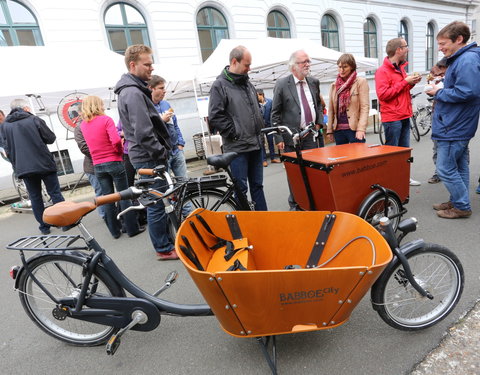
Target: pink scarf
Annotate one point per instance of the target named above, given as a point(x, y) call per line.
point(343, 91)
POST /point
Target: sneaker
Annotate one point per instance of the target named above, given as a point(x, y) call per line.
point(276, 161)
point(265, 164)
point(45, 231)
point(478, 189)
point(454, 213)
point(414, 183)
point(435, 180)
point(170, 255)
point(442, 206)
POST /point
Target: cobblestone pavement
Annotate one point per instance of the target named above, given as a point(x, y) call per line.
point(459, 352)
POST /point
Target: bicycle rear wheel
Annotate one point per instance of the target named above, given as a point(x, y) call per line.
point(61, 275)
point(438, 271)
point(414, 129)
point(424, 120)
point(381, 134)
point(211, 199)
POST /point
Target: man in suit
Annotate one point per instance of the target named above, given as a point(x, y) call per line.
point(296, 103)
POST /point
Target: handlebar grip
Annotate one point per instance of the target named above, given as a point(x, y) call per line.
point(146, 172)
point(128, 194)
point(106, 199)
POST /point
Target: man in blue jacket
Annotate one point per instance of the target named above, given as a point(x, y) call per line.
point(455, 119)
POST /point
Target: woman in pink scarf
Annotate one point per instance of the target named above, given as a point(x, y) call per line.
point(349, 104)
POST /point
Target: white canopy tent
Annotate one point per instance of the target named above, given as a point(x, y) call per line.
point(270, 59)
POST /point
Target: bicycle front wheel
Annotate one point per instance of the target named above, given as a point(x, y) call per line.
point(61, 275)
point(372, 209)
point(424, 121)
point(438, 271)
point(211, 199)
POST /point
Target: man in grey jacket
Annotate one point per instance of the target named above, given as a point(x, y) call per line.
point(296, 103)
point(147, 136)
point(234, 111)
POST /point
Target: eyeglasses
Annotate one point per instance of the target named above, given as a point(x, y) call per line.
point(303, 62)
point(405, 46)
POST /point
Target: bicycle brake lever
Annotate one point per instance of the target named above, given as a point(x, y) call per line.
point(137, 207)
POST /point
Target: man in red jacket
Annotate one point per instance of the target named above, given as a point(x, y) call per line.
point(393, 87)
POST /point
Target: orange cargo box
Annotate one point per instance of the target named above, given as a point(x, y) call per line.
point(261, 297)
point(341, 177)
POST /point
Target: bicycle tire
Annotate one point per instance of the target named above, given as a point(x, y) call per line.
point(372, 208)
point(423, 119)
point(61, 274)
point(381, 134)
point(211, 199)
point(414, 129)
point(438, 271)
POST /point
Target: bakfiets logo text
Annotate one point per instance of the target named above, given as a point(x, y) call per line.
point(304, 296)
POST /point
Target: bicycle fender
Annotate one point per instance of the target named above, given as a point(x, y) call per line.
point(373, 196)
point(405, 249)
point(74, 254)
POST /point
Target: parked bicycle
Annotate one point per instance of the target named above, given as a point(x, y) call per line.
point(72, 290)
point(414, 130)
point(423, 117)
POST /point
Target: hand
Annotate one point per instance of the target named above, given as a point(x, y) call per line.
point(180, 147)
point(433, 91)
point(166, 116)
point(360, 135)
point(413, 80)
point(281, 145)
point(330, 137)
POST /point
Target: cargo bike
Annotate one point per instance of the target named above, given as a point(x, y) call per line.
point(261, 274)
point(369, 180)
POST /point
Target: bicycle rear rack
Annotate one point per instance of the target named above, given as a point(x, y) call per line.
point(48, 243)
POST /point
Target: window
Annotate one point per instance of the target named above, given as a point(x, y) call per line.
point(429, 51)
point(125, 26)
point(212, 28)
point(278, 26)
point(18, 26)
point(330, 37)
point(403, 33)
point(370, 38)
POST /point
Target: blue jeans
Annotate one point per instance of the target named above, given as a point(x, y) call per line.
point(397, 133)
point(453, 170)
point(178, 165)
point(98, 191)
point(247, 166)
point(33, 183)
point(110, 174)
point(156, 216)
point(271, 148)
point(345, 136)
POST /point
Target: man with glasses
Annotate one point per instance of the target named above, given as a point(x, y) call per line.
point(296, 103)
point(393, 87)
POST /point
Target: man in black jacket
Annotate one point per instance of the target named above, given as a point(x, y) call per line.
point(147, 136)
point(234, 111)
point(25, 138)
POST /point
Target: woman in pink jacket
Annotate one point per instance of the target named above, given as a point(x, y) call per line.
point(349, 104)
point(106, 149)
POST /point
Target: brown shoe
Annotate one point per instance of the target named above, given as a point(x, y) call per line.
point(265, 164)
point(442, 206)
point(454, 213)
point(276, 161)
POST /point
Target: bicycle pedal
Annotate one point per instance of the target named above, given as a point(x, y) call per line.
point(113, 344)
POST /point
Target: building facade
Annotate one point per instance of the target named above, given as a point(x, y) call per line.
point(187, 31)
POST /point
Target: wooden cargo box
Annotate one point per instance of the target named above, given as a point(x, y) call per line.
point(340, 177)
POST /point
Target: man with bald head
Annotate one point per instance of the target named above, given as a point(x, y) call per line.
point(234, 111)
